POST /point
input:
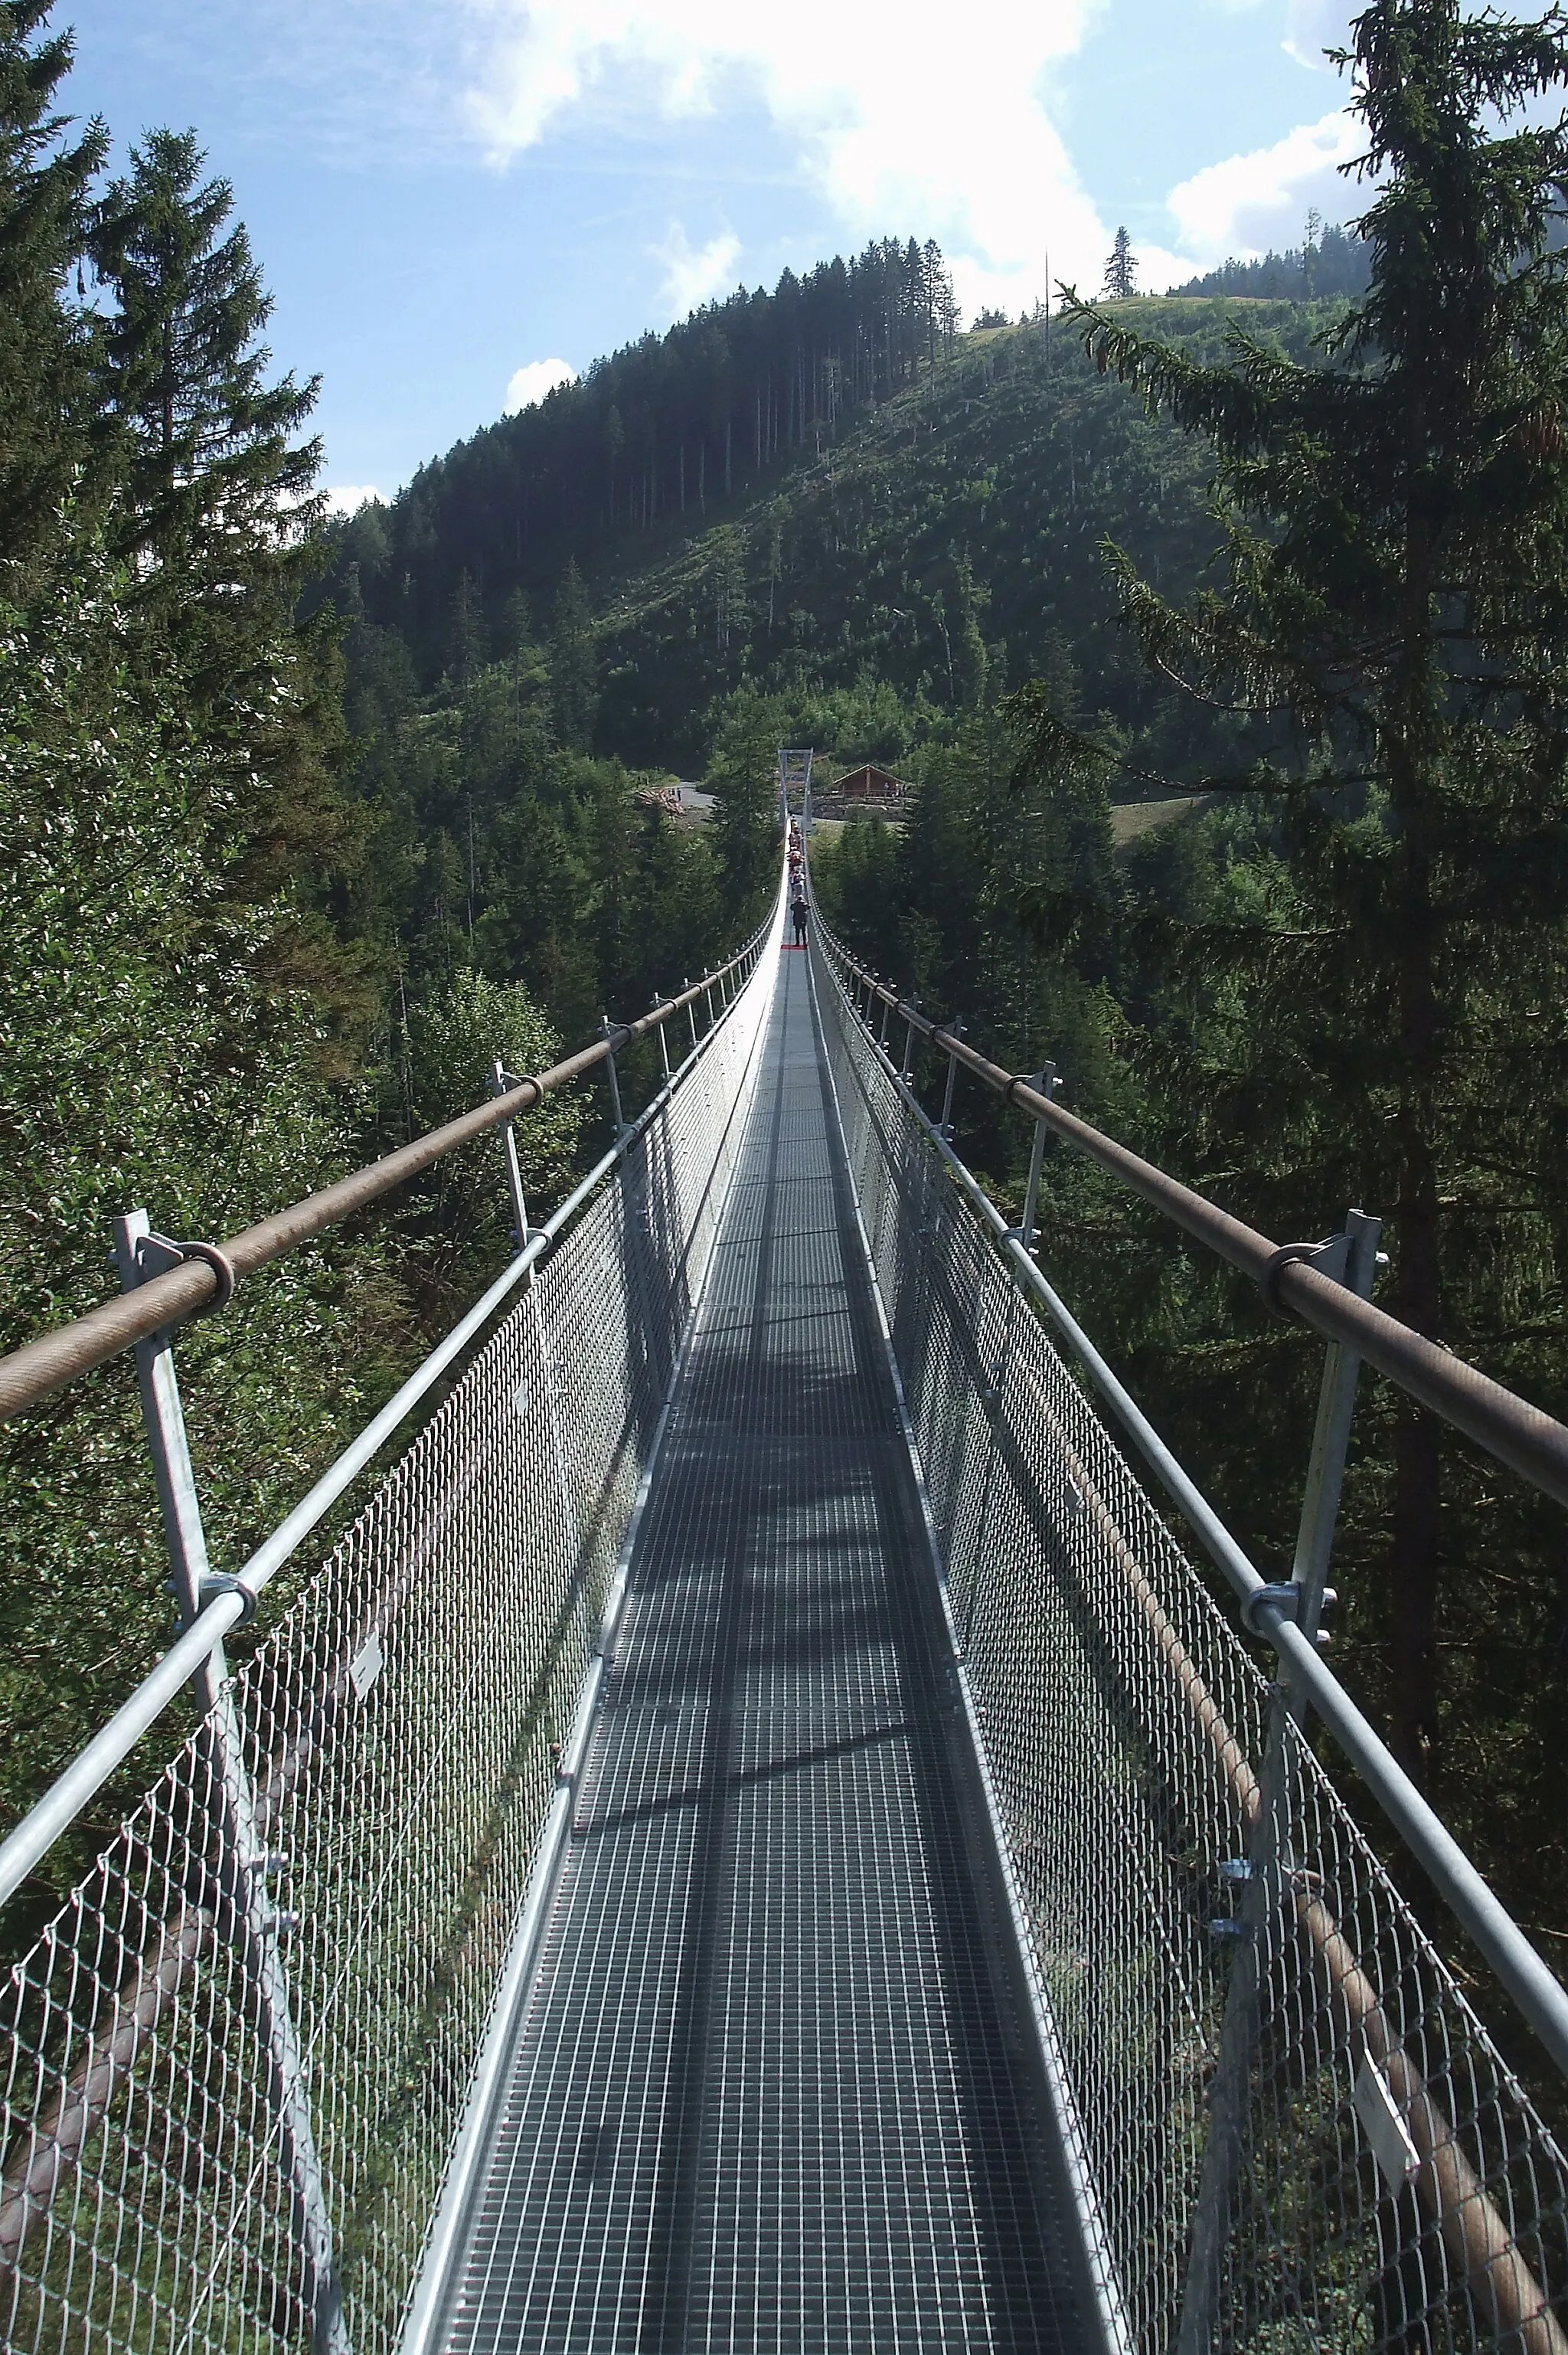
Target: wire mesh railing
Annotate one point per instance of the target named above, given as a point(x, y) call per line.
point(232, 2070)
point(1290, 2129)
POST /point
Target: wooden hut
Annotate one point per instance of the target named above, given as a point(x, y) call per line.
point(870, 783)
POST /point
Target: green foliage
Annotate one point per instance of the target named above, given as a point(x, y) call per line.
point(574, 685)
point(460, 1221)
point(743, 777)
point(211, 481)
point(252, 937)
point(994, 905)
point(1383, 1021)
point(939, 549)
point(48, 346)
point(1328, 261)
point(139, 1063)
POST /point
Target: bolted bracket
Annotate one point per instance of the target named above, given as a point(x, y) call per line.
point(1331, 1257)
point(157, 1255)
point(217, 1582)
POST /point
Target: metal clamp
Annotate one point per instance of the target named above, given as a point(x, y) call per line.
point(218, 1583)
point(1265, 1604)
point(1328, 1257)
point(210, 1255)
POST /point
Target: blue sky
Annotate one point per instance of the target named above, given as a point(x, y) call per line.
point(451, 200)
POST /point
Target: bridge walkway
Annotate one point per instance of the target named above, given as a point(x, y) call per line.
point(774, 2088)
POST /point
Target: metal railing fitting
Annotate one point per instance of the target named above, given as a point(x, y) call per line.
point(1046, 1084)
point(956, 1029)
point(522, 1234)
point(613, 1034)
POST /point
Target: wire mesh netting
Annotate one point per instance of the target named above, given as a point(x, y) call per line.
point(234, 2067)
point(1296, 2133)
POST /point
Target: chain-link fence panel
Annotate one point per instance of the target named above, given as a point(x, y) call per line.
point(1297, 2132)
point(235, 2064)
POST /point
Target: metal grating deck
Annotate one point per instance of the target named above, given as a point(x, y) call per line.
point(772, 2090)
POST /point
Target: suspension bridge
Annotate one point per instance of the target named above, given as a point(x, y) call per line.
point(785, 1821)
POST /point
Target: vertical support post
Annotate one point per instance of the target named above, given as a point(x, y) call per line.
point(1255, 1930)
point(956, 1029)
point(1259, 1926)
point(886, 1019)
point(1331, 1433)
point(1044, 1084)
point(499, 1085)
point(708, 995)
point(691, 1008)
point(614, 1077)
point(241, 1863)
point(663, 1043)
point(909, 1054)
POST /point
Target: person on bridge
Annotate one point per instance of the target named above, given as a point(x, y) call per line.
point(798, 913)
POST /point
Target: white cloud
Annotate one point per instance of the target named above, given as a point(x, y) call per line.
point(694, 274)
point(347, 498)
point(938, 120)
point(1313, 25)
point(1249, 203)
point(531, 384)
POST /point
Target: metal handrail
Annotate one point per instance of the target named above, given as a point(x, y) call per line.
point(1479, 2234)
point(31, 1839)
point(40, 1367)
point(1522, 1436)
point(1535, 1987)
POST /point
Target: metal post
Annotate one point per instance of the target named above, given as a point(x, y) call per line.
point(1330, 1436)
point(619, 1116)
point(708, 995)
point(886, 1019)
point(1044, 1084)
point(1260, 1924)
point(663, 1042)
point(691, 1006)
point(240, 1859)
point(956, 1029)
point(909, 1055)
point(500, 1084)
point(1253, 1931)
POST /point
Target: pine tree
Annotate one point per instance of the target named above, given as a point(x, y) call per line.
point(743, 776)
point(1381, 1018)
point(217, 488)
point(1121, 269)
point(573, 663)
point(216, 512)
point(47, 345)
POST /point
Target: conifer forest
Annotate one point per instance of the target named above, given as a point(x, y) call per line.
point(1220, 637)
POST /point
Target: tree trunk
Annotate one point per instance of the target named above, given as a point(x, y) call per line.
point(1417, 1299)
